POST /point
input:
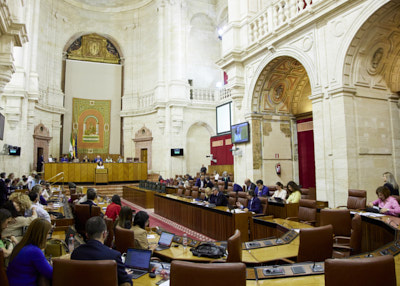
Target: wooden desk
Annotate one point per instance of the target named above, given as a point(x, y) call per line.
point(84, 172)
point(282, 210)
point(139, 196)
point(100, 176)
point(62, 224)
point(217, 223)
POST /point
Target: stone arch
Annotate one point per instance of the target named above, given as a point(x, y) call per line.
point(222, 15)
point(41, 138)
point(197, 146)
point(143, 140)
point(372, 11)
point(199, 18)
point(260, 74)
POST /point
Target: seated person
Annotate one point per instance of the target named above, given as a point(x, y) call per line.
point(120, 159)
point(209, 184)
point(90, 197)
point(109, 159)
point(41, 212)
point(85, 159)
point(207, 194)
point(64, 159)
point(100, 165)
point(94, 249)
point(249, 185)
point(5, 218)
point(201, 182)
point(388, 205)
point(46, 192)
point(17, 205)
point(97, 159)
point(261, 190)
point(216, 175)
point(225, 178)
point(254, 204)
point(27, 261)
point(39, 189)
point(280, 192)
point(114, 208)
point(124, 219)
point(218, 198)
point(140, 222)
point(295, 193)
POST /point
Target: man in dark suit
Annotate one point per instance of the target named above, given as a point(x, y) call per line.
point(254, 204)
point(91, 196)
point(201, 182)
point(3, 189)
point(218, 198)
point(209, 184)
point(95, 249)
point(249, 185)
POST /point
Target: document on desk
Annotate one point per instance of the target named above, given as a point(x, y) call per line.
point(166, 283)
point(372, 214)
point(151, 236)
point(238, 211)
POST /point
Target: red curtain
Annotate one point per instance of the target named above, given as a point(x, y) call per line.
point(220, 148)
point(306, 156)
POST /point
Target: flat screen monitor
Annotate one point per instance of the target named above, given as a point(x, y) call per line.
point(14, 150)
point(224, 118)
point(240, 133)
point(2, 121)
point(177, 152)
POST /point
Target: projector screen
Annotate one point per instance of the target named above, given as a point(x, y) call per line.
point(224, 118)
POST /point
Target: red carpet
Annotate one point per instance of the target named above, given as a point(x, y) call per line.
point(168, 225)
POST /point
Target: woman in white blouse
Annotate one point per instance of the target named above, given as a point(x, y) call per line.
point(280, 192)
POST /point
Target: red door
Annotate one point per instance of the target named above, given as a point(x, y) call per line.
point(305, 137)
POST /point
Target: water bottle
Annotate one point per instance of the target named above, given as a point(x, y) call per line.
point(184, 240)
point(71, 243)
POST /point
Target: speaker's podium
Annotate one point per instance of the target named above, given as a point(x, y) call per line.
point(100, 176)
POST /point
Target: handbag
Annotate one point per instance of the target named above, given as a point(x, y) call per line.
point(209, 249)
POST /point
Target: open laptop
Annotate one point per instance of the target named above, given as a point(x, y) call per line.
point(165, 241)
point(138, 260)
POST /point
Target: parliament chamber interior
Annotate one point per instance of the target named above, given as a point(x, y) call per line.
point(199, 142)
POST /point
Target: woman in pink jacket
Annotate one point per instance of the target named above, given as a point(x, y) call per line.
point(387, 204)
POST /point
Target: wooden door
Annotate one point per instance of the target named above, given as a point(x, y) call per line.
point(143, 155)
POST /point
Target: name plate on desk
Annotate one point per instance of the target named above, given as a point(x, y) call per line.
point(101, 171)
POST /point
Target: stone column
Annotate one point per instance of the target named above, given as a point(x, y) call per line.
point(395, 130)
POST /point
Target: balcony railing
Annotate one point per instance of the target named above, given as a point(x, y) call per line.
point(277, 14)
point(209, 95)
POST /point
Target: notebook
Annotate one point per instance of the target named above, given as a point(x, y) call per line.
point(138, 260)
point(165, 241)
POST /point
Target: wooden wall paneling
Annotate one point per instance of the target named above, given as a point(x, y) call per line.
point(131, 172)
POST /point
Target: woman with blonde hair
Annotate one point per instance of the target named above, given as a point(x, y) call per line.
point(18, 205)
point(390, 183)
point(27, 261)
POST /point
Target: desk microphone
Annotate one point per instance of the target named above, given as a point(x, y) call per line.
point(369, 255)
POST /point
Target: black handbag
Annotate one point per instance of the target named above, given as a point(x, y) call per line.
point(208, 249)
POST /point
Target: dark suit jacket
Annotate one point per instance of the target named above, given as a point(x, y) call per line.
point(209, 185)
point(255, 205)
point(252, 187)
point(198, 183)
point(95, 250)
point(218, 200)
point(226, 180)
point(89, 202)
point(3, 192)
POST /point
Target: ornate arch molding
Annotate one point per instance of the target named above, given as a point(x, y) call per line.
point(280, 86)
point(267, 64)
point(143, 140)
point(373, 57)
point(93, 47)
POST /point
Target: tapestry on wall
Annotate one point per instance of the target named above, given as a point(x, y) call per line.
point(91, 123)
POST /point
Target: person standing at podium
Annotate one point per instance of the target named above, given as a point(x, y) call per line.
point(100, 165)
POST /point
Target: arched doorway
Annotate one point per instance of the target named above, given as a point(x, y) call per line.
point(198, 147)
point(283, 133)
point(92, 82)
point(42, 138)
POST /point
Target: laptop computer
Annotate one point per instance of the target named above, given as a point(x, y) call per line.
point(138, 260)
point(165, 241)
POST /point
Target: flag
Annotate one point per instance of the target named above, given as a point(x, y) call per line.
point(75, 145)
point(72, 147)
